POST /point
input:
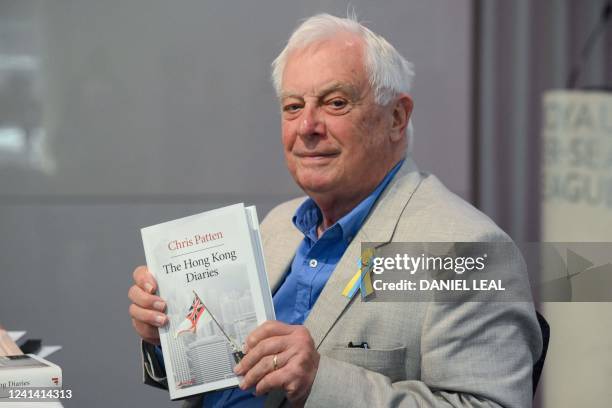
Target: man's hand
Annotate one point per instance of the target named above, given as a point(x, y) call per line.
point(292, 349)
point(146, 309)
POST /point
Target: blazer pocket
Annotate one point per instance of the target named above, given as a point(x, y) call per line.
point(390, 363)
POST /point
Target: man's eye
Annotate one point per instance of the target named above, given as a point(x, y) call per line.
point(294, 107)
point(337, 103)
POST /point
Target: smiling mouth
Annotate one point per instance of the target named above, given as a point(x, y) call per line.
point(316, 160)
point(316, 155)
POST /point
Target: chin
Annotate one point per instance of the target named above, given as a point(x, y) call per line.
point(315, 185)
point(316, 179)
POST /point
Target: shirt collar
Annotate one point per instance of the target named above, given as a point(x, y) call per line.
point(308, 215)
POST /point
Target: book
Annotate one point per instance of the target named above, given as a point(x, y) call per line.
point(211, 273)
point(28, 370)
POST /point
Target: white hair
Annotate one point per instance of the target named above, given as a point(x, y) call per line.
point(389, 73)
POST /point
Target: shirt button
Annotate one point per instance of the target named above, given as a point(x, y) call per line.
point(313, 263)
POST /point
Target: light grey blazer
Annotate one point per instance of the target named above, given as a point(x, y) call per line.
point(422, 354)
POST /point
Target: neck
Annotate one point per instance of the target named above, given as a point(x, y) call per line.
point(334, 207)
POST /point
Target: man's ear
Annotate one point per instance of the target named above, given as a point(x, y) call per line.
point(402, 109)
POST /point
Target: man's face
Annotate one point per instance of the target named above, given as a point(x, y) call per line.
point(336, 139)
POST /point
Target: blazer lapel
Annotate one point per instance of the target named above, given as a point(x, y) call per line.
point(379, 227)
point(279, 254)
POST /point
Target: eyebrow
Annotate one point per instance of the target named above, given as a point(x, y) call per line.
point(333, 87)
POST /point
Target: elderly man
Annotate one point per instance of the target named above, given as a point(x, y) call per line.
point(345, 113)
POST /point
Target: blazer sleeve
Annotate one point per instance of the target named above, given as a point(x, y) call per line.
point(153, 373)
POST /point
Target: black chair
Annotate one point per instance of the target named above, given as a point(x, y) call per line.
point(539, 365)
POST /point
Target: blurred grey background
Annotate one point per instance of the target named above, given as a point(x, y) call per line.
point(120, 114)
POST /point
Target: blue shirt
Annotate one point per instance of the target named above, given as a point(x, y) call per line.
point(313, 264)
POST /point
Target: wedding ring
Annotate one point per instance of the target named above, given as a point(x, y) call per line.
point(275, 362)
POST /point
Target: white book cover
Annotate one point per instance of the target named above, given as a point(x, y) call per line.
point(210, 271)
point(28, 370)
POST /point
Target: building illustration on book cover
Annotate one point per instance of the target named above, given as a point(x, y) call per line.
point(205, 345)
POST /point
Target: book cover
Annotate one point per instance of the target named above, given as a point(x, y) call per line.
point(211, 273)
point(28, 370)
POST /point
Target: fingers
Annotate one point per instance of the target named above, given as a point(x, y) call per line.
point(293, 378)
point(274, 380)
point(267, 329)
point(150, 317)
point(297, 361)
point(142, 293)
point(144, 279)
point(146, 300)
point(147, 308)
point(266, 347)
point(264, 367)
point(147, 332)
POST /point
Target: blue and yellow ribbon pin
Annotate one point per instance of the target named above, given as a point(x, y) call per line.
point(363, 278)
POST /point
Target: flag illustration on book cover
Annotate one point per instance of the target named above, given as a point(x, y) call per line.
point(196, 311)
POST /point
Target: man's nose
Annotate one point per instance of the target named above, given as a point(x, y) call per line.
point(311, 122)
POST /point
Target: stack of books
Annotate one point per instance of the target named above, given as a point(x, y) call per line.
point(19, 370)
